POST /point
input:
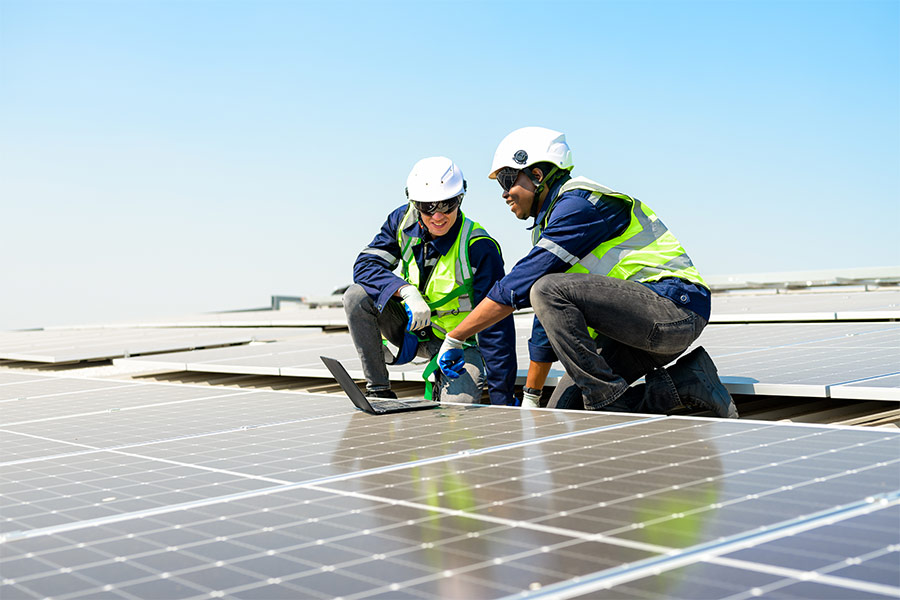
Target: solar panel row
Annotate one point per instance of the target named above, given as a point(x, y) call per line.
point(848, 360)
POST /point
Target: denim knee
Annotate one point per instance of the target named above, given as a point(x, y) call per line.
point(541, 291)
point(354, 297)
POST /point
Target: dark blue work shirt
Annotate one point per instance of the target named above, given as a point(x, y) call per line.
point(578, 226)
point(373, 270)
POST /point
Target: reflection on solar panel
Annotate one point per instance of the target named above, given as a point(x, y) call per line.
point(136, 490)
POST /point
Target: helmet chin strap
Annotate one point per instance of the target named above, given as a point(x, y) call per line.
point(539, 186)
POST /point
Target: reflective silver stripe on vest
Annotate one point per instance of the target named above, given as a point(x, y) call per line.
point(463, 268)
point(462, 265)
point(558, 251)
point(679, 263)
point(383, 254)
point(651, 231)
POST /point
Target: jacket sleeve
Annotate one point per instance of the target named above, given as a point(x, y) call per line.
point(539, 348)
point(497, 342)
point(374, 266)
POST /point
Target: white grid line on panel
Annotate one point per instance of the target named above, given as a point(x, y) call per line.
point(819, 576)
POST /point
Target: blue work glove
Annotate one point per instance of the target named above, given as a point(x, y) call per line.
point(450, 358)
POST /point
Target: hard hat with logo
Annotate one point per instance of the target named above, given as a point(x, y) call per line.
point(531, 145)
point(435, 179)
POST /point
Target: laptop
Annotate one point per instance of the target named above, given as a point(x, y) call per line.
point(373, 406)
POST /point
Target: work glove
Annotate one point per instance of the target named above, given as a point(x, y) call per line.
point(531, 400)
point(450, 358)
point(416, 308)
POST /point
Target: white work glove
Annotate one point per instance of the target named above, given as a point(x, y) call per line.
point(531, 400)
point(451, 359)
point(416, 308)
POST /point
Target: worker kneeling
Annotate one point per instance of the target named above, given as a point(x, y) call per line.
point(615, 295)
point(447, 263)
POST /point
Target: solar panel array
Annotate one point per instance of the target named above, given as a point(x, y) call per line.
point(848, 360)
point(66, 346)
point(121, 489)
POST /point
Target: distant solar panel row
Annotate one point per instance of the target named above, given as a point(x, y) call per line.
point(834, 305)
point(136, 490)
point(96, 344)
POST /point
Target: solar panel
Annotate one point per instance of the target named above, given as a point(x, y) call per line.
point(157, 490)
point(806, 359)
point(53, 346)
point(805, 306)
point(299, 359)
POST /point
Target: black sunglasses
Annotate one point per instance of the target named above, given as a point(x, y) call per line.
point(443, 207)
point(506, 177)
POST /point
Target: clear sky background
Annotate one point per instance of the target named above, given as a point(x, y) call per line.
point(163, 158)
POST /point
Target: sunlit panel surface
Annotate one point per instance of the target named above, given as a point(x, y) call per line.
point(137, 490)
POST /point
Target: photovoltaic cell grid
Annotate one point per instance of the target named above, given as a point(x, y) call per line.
point(49, 346)
point(284, 495)
point(840, 360)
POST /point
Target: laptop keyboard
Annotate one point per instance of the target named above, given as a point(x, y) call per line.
point(387, 404)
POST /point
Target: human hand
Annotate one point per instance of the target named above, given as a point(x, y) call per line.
point(416, 308)
point(450, 358)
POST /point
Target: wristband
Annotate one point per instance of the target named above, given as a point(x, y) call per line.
point(532, 391)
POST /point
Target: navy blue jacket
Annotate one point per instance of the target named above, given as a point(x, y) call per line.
point(578, 227)
point(374, 272)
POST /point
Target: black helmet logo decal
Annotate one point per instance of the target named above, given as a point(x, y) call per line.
point(520, 157)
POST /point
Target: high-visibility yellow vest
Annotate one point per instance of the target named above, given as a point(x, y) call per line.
point(646, 251)
point(449, 289)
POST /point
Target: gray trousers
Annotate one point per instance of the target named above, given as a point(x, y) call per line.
point(639, 333)
point(367, 326)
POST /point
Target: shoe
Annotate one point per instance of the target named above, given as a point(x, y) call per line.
point(381, 394)
point(697, 383)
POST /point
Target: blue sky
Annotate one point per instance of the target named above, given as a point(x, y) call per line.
point(162, 158)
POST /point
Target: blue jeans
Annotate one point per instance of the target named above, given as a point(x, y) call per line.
point(367, 326)
point(639, 332)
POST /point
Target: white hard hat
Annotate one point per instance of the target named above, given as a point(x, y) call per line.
point(531, 145)
point(435, 179)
